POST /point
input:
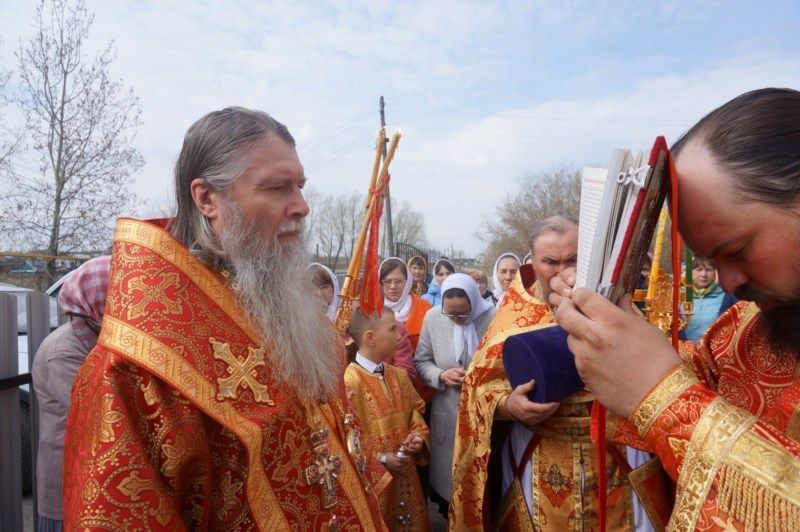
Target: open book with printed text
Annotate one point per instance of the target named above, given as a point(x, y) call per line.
point(619, 211)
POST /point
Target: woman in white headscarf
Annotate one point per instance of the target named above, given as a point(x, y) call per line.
point(326, 282)
point(409, 311)
point(450, 335)
point(505, 269)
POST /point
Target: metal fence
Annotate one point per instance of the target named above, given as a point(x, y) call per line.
point(406, 251)
point(18, 417)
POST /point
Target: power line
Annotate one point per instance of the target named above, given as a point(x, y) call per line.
point(637, 121)
point(520, 139)
point(347, 148)
point(337, 131)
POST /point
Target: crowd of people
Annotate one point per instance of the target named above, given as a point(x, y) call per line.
point(200, 382)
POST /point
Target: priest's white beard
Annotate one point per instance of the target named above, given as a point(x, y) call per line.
point(272, 283)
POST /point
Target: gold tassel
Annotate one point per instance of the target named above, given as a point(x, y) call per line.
point(757, 508)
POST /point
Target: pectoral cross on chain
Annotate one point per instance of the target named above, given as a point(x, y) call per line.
point(325, 469)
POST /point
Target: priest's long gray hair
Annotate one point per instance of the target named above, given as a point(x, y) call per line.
point(214, 149)
point(269, 277)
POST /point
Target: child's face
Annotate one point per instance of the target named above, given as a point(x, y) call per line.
point(386, 337)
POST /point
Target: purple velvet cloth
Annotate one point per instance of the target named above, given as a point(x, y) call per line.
point(543, 356)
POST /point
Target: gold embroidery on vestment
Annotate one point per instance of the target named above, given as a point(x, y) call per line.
point(242, 372)
point(230, 496)
point(718, 429)
point(154, 294)
point(661, 396)
point(166, 364)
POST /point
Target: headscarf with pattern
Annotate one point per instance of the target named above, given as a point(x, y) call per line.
point(83, 298)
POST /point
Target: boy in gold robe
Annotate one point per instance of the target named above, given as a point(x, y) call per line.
point(391, 413)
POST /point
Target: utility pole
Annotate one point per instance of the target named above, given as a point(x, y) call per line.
point(389, 232)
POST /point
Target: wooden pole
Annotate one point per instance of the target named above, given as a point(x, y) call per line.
point(389, 227)
point(348, 292)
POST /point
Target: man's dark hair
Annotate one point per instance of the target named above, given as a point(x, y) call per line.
point(359, 324)
point(455, 292)
point(756, 138)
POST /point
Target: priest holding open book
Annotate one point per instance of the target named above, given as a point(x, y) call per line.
point(723, 416)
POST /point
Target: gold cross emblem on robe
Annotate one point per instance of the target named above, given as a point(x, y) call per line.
point(241, 372)
point(325, 469)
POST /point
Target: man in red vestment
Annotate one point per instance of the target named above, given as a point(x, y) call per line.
point(214, 398)
point(725, 422)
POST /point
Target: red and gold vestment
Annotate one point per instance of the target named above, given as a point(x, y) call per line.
point(726, 426)
point(563, 463)
point(177, 422)
point(390, 409)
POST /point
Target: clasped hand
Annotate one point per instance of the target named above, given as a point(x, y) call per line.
point(413, 443)
point(453, 377)
point(619, 356)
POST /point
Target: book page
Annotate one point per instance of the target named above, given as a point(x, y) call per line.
point(605, 222)
point(593, 183)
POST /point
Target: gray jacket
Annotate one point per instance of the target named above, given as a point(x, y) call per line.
point(435, 353)
point(54, 369)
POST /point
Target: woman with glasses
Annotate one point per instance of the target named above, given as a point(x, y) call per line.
point(450, 335)
point(505, 269)
point(441, 270)
point(409, 309)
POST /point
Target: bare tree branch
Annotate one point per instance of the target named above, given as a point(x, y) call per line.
point(540, 196)
point(81, 125)
point(408, 225)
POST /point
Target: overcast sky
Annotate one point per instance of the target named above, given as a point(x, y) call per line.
point(484, 92)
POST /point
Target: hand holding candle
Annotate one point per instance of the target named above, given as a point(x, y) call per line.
point(412, 444)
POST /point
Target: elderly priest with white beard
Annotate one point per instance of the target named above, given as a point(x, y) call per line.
point(214, 397)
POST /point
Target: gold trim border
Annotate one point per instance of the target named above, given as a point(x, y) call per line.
point(676, 382)
point(717, 431)
point(513, 499)
point(145, 350)
point(768, 465)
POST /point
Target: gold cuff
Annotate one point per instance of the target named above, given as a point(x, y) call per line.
point(674, 383)
point(502, 413)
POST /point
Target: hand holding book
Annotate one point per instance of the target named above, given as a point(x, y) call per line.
point(618, 214)
point(618, 355)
